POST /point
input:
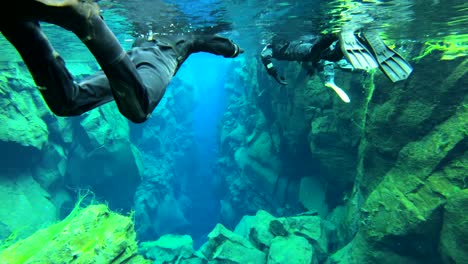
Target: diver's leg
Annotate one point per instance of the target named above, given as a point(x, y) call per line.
point(82, 18)
point(63, 96)
point(216, 45)
point(329, 76)
point(156, 66)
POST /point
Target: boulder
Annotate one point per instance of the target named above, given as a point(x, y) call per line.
point(224, 246)
point(51, 170)
point(90, 235)
point(256, 229)
point(454, 234)
point(25, 206)
point(104, 160)
point(23, 133)
point(291, 250)
point(168, 249)
point(312, 228)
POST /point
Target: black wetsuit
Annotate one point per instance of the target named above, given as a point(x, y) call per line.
point(309, 51)
point(136, 79)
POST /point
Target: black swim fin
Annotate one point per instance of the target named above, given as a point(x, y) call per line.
point(395, 67)
point(356, 53)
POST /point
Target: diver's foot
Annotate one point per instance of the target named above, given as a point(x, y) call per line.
point(73, 15)
point(342, 94)
point(217, 45)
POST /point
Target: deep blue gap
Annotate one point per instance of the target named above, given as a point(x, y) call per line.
point(208, 72)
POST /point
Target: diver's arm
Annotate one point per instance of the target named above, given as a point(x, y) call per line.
point(267, 56)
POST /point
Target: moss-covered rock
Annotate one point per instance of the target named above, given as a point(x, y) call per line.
point(26, 206)
point(314, 229)
point(103, 155)
point(291, 250)
point(90, 235)
point(454, 234)
point(51, 170)
point(405, 112)
point(224, 246)
point(260, 161)
point(168, 249)
point(20, 112)
point(401, 196)
point(402, 216)
point(257, 229)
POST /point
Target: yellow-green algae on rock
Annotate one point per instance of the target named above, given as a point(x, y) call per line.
point(88, 235)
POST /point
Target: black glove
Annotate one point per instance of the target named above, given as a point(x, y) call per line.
point(281, 80)
point(274, 73)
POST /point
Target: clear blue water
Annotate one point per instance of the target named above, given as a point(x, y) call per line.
point(210, 106)
point(251, 23)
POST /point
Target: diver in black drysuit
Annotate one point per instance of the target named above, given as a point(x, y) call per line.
point(136, 79)
point(309, 52)
point(349, 50)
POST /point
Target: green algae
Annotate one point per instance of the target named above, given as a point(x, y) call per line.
point(88, 235)
point(452, 47)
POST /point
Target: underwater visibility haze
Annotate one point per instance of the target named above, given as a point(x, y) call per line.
point(246, 162)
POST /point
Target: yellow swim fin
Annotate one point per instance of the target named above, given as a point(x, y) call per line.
point(395, 67)
point(356, 53)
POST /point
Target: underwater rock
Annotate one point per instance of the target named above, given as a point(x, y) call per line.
point(104, 126)
point(61, 129)
point(263, 228)
point(169, 216)
point(257, 229)
point(168, 249)
point(104, 159)
point(405, 112)
point(23, 133)
point(291, 250)
point(51, 170)
point(90, 235)
point(402, 217)
point(312, 195)
point(346, 223)
point(454, 234)
point(402, 195)
point(227, 215)
point(224, 246)
point(314, 229)
point(261, 161)
point(276, 228)
point(20, 113)
point(25, 206)
point(359, 251)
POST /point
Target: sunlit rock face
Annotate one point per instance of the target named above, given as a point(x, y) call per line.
point(23, 131)
point(166, 144)
point(88, 235)
point(50, 160)
point(412, 167)
point(282, 146)
point(384, 165)
point(104, 159)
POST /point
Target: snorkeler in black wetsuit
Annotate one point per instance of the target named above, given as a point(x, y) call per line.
point(363, 52)
point(136, 79)
point(310, 52)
